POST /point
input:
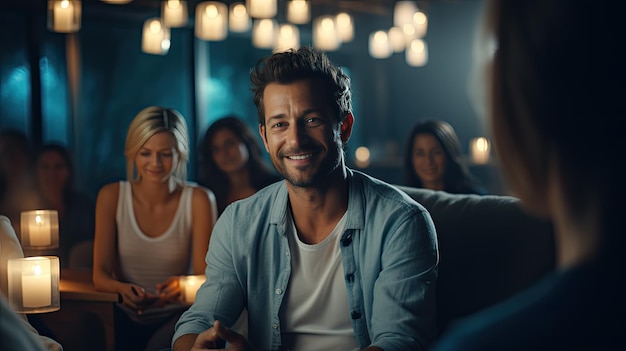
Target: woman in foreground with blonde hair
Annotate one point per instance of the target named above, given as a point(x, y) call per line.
point(150, 230)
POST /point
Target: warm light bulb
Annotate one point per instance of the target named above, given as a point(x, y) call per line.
point(155, 26)
point(65, 4)
point(239, 10)
point(327, 24)
point(211, 11)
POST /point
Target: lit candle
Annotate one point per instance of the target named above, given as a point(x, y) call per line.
point(36, 284)
point(63, 16)
point(40, 232)
point(190, 285)
point(479, 148)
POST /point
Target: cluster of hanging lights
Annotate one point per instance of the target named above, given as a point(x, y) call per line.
point(214, 20)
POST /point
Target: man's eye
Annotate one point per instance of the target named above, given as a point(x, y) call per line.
point(314, 121)
point(279, 125)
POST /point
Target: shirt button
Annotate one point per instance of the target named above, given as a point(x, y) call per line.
point(278, 291)
point(274, 326)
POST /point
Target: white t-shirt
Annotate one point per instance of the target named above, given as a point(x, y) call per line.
point(315, 313)
point(146, 260)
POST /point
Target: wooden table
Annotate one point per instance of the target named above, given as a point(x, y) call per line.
point(85, 320)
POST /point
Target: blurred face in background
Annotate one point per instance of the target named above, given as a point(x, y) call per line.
point(228, 151)
point(429, 161)
point(157, 158)
point(52, 171)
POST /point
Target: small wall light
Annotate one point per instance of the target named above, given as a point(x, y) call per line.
point(362, 156)
point(479, 150)
point(34, 284)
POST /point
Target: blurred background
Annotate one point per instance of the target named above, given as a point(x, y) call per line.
point(82, 86)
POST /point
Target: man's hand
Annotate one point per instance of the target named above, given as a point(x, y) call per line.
point(207, 340)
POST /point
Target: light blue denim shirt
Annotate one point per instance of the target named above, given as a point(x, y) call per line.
point(389, 254)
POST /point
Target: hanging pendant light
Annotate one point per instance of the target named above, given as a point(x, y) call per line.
point(156, 37)
point(264, 33)
point(174, 13)
point(238, 18)
point(325, 36)
point(299, 11)
point(288, 37)
point(379, 46)
point(420, 22)
point(345, 27)
point(262, 8)
point(117, 2)
point(403, 13)
point(417, 53)
point(396, 39)
point(211, 20)
point(64, 15)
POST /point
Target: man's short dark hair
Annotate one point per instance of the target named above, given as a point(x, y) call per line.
point(294, 65)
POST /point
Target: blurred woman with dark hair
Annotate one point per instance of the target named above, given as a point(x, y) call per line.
point(231, 163)
point(54, 175)
point(433, 160)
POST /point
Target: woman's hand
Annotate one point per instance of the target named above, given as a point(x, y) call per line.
point(169, 291)
point(135, 297)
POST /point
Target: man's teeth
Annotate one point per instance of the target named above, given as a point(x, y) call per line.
point(300, 157)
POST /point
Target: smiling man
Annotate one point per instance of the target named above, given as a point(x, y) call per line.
point(329, 258)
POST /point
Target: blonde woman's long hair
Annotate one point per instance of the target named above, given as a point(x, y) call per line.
point(148, 122)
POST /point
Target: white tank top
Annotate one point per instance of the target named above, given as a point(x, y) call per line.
point(145, 260)
point(315, 315)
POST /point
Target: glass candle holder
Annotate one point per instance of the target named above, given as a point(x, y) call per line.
point(39, 229)
point(34, 284)
point(189, 285)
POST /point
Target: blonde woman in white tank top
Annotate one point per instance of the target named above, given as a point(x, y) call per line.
point(153, 227)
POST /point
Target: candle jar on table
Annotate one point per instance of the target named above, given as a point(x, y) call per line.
point(39, 229)
point(189, 285)
point(34, 284)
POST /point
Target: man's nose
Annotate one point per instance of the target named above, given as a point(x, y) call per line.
point(296, 134)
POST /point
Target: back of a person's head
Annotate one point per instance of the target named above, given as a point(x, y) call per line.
point(150, 121)
point(301, 64)
point(558, 96)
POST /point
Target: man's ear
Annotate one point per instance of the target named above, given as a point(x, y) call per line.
point(346, 127)
point(263, 136)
